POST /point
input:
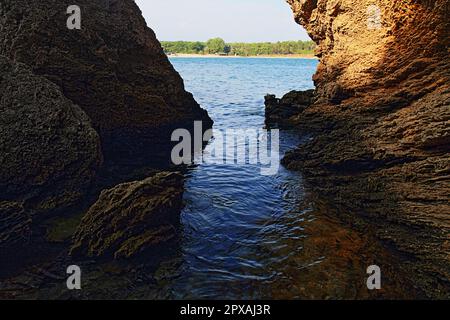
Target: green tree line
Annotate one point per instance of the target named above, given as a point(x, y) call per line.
point(219, 46)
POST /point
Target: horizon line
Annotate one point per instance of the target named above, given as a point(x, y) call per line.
point(160, 40)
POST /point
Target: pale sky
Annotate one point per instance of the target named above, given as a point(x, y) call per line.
point(232, 20)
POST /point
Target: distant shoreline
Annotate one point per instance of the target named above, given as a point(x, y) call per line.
point(290, 56)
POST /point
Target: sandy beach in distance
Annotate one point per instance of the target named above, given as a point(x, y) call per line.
point(293, 56)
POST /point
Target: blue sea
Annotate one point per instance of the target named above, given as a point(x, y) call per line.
point(239, 227)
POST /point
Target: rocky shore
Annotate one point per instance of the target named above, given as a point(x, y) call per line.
point(87, 116)
point(380, 126)
point(83, 111)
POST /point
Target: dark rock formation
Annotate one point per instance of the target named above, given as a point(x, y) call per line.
point(131, 217)
point(15, 224)
point(113, 68)
point(82, 110)
point(49, 153)
point(381, 124)
point(280, 112)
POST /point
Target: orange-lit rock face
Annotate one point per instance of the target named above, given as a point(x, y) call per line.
point(346, 44)
point(382, 122)
point(364, 41)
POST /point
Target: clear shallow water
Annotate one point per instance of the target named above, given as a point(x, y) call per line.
point(238, 225)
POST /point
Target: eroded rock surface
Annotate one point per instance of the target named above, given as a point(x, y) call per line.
point(114, 68)
point(281, 113)
point(49, 152)
point(382, 124)
point(131, 218)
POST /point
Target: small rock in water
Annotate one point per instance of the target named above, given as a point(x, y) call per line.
point(280, 111)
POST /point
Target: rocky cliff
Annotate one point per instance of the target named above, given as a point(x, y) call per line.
point(113, 67)
point(381, 125)
point(81, 108)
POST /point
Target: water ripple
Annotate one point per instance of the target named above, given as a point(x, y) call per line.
point(239, 226)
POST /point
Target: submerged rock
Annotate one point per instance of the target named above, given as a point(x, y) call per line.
point(381, 138)
point(279, 112)
point(49, 153)
point(131, 217)
point(114, 68)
